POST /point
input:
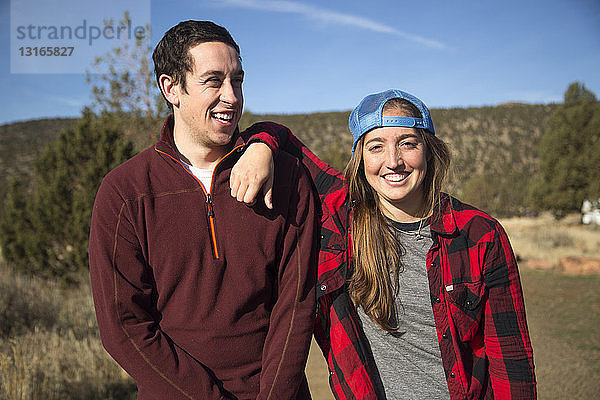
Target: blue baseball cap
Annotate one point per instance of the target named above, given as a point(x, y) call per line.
point(368, 114)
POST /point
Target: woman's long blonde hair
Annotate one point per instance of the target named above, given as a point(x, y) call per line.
point(376, 264)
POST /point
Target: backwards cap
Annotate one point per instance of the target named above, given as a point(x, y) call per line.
point(368, 114)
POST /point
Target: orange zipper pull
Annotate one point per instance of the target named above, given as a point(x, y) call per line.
point(211, 222)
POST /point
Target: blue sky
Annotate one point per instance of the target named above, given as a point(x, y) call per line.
point(308, 55)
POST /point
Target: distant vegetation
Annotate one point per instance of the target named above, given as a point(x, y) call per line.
point(21, 143)
point(570, 154)
point(494, 149)
point(498, 145)
point(510, 160)
point(45, 223)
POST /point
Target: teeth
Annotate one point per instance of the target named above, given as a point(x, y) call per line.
point(395, 177)
point(223, 116)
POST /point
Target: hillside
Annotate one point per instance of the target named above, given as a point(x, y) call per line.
point(21, 141)
point(481, 138)
point(494, 148)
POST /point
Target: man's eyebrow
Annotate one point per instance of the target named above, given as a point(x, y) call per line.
point(217, 72)
point(212, 73)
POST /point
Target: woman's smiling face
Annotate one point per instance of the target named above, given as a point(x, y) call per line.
point(395, 165)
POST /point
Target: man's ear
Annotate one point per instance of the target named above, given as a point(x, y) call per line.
point(169, 89)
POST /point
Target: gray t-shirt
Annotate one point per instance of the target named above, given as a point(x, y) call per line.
point(409, 361)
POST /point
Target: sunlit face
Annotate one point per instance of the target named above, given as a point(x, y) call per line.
point(395, 164)
point(211, 106)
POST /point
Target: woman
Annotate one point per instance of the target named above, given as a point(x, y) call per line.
point(419, 294)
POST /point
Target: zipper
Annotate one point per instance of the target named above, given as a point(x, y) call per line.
point(211, 223)
point(209, 203)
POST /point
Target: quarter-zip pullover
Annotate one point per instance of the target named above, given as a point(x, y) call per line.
point(199, 296)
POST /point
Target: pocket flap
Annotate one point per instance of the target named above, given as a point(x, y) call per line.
point(466, 296)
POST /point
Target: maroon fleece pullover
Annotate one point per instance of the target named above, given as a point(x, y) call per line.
point(203, 297)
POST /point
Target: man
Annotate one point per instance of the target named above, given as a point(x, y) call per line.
point(198, 296)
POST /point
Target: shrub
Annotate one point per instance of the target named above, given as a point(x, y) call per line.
point(44, 229)
point(25, 305)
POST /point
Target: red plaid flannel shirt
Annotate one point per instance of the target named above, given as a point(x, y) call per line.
point(475, 292)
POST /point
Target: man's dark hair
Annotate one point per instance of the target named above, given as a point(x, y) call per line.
point(171, 55)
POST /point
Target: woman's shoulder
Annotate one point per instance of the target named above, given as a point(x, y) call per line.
point(459, 206)
point(467, 216)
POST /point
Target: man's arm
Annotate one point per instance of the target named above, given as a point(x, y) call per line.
point(125, 300)
point(506, 336)
point(292, 317)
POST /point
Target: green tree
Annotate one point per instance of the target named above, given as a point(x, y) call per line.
point(44, 229)
point(123, 86)
point(123, 79)
point(570, 154)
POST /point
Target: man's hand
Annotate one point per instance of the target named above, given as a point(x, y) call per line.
point(253, 172)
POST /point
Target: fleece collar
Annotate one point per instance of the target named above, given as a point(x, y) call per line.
point(166, 142)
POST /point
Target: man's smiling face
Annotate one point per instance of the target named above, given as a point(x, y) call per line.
point(210, 106)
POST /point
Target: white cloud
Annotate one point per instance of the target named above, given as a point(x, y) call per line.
point(535, 96)
point(69, 101)
point(333, 17)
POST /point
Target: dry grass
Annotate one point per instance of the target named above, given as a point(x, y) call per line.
point(49, 345)
point(58, 365)
point(563, 313)
point(546, 238)
point(50, 349)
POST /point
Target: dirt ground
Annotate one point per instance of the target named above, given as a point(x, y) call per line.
point(316, 372)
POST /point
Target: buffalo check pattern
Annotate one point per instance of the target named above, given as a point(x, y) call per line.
point(474, 283)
